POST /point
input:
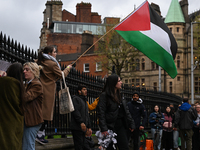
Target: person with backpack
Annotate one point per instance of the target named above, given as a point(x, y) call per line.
point(184, 118)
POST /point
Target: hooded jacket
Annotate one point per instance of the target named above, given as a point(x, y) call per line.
point(80, 113)
point(137, 111)
point(184, 116)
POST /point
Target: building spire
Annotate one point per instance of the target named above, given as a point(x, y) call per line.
point(174, 13)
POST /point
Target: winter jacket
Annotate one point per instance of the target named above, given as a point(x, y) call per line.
point(184, 116)
point(108, 113)
point(137, 111)
point(33, 103)
point(11, 116)
point(80, 113)
point(167, 125)
point(49, 75)
point(153, 122)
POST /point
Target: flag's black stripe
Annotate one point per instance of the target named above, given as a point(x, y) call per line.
point(156, 19)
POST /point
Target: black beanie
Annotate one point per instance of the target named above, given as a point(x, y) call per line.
point(136, 92)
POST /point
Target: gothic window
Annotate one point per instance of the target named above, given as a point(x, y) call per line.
point(143, 64)
point(137, 64)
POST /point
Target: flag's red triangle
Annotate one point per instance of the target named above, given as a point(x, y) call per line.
point(139, 20)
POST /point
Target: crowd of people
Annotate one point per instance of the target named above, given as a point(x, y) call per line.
point(29, 106)
point(26, 108)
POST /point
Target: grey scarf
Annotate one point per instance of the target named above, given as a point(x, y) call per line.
point(47, 56)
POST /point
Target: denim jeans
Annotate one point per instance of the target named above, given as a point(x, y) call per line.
point(153, 132)
point(29, 137)
point(175, 138)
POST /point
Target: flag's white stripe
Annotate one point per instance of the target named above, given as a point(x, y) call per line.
point(159, 36)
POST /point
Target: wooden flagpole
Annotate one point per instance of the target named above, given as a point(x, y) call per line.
point(104, 35)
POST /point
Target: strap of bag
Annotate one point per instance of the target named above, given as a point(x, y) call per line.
point(63, 78)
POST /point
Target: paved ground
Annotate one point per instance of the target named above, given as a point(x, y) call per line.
point(59, 144)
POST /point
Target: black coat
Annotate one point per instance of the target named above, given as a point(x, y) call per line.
point(108, 112)
point(80, 113)
point(137, 111)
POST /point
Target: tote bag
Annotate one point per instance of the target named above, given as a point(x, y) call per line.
point(65, 101)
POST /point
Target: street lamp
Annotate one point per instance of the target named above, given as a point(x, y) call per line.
point(192, 65)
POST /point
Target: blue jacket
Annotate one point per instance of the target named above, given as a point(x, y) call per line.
point(153, 122)
point(137, 111)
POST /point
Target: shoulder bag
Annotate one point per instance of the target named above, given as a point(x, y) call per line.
point(65, 101)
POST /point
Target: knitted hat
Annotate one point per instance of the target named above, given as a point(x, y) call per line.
point(136, 92)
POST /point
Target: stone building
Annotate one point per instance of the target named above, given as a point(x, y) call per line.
point(73, 34)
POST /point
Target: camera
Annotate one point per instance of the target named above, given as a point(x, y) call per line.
point(158, 116)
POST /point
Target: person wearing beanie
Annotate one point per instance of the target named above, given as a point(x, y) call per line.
point(32, 105)
point(137, 111)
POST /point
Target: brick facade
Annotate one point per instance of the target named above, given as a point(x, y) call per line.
point(67, 16)
point(72, 44)
point(66, 43)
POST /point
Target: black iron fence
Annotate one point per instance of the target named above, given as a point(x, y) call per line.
point(13, 52)
point(61, 123)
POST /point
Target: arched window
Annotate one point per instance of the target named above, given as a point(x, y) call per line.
point(178, 62)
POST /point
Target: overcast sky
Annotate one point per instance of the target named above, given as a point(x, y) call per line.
point(22, 19)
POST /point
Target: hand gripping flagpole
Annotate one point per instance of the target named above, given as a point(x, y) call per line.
point(105, 34)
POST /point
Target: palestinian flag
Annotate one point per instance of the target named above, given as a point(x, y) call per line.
point(145, 30)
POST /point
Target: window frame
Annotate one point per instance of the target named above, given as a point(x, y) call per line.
point(84, 68)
